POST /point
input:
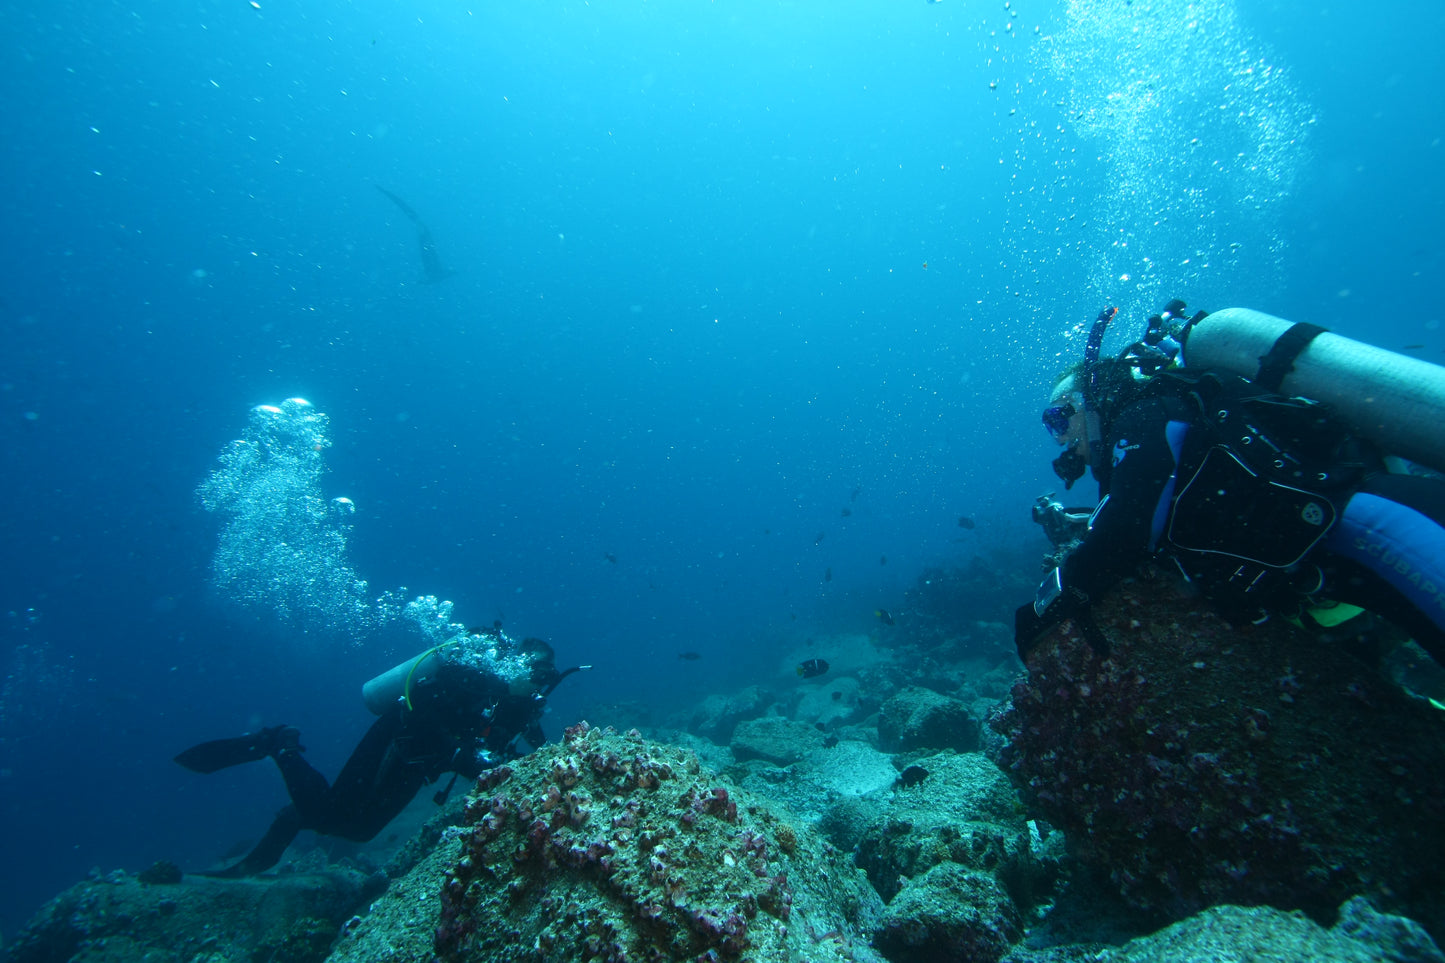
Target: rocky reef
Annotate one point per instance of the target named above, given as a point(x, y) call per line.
point(1221, 933)
point(120, 917)
point(1204, 763)
point(1118, 808)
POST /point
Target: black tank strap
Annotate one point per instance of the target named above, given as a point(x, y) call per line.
point(1278, 362)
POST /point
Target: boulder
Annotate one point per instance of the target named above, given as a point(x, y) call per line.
point(918, 718)
point(775, 739)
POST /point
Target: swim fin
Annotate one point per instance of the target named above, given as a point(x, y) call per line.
point(268, 851)
point(218, 754)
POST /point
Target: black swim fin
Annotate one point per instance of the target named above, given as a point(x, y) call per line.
point(221, 754)
point(268, 851)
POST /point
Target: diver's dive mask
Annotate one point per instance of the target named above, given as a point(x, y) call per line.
point(1056, 420)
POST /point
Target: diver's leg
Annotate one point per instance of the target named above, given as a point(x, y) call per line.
point(268, 851)
point(376, 783)
point(307, 787)
point(1387, 554)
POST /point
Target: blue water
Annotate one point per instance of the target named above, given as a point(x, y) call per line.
point(719, 266)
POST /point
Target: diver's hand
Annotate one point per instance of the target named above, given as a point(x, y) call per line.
point(1028, 626)
point(1051, 605)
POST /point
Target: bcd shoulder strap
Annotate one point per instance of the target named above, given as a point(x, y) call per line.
point(1276, 363)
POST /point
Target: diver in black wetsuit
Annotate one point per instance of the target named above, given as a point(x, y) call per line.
point(1173, 485)
point(453, 717)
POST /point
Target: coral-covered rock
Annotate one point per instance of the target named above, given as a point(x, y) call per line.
point(949, 913)
point(1202, 763)
point(775, 739)
point(609, 847)
point(918, 718)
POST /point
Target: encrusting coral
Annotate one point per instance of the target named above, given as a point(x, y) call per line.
point(1204, 763)
point(609, 847)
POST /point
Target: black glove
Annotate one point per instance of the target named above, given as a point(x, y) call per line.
point(1029, 626)
point(1052, 605)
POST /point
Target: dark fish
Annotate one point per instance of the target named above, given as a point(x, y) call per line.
point(911, 776)
point(965, 521)
point(494, 629)
point(883, 560)
point(837, 696)
point(610, 557)
point(1414, 347)
point(432, 268)
point(689, 656)
point(845, 511)
point(812, 668)
point(830, 742)
point(820, 537)
point(828, 574)
point(883, 616)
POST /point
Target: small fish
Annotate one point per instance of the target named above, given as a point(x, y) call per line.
point(829, 742)
point(820, 537)
point(828, 574)
point(856, 492)
point(883, 616)
point(911, 776)
point(1414, 347)
point(812, 668)
point(494, 629)
point(846, 511)
point(689, 656)
point(610, 557)
point(883, 560)
point(965, 521)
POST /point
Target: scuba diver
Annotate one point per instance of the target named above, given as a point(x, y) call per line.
point(1266, 503)
point(460, 707)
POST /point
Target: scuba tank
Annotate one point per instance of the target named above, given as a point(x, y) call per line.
point(396, 683)
point(1393, 400)
point(461, 656)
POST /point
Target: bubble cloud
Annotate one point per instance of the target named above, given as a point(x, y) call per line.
point(282, 546)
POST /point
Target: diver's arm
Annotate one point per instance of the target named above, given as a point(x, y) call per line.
point(1119, 531)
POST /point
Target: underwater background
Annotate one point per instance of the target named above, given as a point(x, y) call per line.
point(750, 306)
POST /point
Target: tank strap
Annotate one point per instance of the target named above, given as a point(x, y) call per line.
point(1278, 362)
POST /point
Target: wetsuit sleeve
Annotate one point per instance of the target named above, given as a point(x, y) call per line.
point(1122, 527)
